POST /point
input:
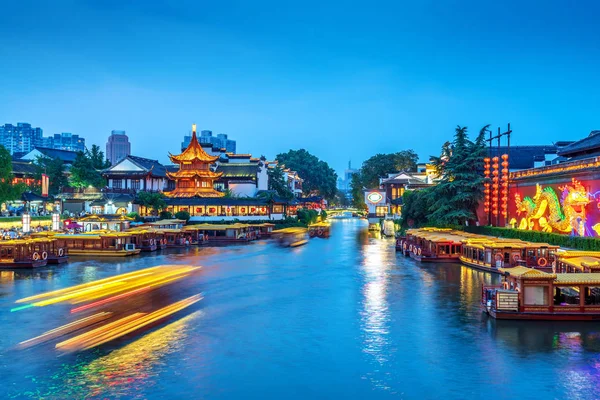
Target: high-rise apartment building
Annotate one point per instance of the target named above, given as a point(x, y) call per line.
point(65, 141)
point(20, 138)
point(221, 141)
point(117, 147)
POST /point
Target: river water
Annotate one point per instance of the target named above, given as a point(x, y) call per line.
point(344, 317)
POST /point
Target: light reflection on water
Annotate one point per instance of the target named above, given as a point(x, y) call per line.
point(124, 371)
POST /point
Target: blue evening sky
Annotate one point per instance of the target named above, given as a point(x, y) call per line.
point(344, 80)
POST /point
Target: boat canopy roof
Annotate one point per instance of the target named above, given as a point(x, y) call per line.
point(291, 230)
point(16, 242)
point(582, 262)
point(527, 273)
point(167, 222)
point(89, 236)
point(592, 278)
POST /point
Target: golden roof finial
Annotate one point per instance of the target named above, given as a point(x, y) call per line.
point(194, 128)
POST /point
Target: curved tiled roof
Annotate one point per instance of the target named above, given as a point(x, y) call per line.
point(193, 152)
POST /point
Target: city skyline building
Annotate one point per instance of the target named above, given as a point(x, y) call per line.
point(221, 141)
point(21, 138)
point(117, 147)
point(64, 141)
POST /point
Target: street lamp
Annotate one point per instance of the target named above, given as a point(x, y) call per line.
point(26, 222)
point(55, 221)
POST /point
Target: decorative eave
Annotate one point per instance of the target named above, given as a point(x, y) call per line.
point(193, 192)
point(192, 174)
point(194, 152)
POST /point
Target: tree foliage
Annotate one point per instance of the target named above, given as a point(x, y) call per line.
point(379, 166)
point(97, 157)
point(454, 200)
point(307, 216)
point(84, 172)
point(278, 184)
point(318, 178)
point(153, 201)
point(184, 215)
point(8, 190)
point(56, 171)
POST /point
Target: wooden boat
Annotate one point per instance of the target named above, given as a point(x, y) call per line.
point(491, 254)
point(233, 233)
point(291, 237)
point(431, 245)
point(24, 253)
point(56, 253)
point(144, 239)
point(573, 261)
point(115, 244)
point(531, 294)
point(173, 238)
point(320, 229)
point(264, 230)
point(110, 222)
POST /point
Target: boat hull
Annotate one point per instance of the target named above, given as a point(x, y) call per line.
point(554, 316)
point(420, 258)
point(104, 253)
point(478, 266)
point(23, 264)
point(57, 259)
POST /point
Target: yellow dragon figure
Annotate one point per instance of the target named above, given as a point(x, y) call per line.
point(545, 209)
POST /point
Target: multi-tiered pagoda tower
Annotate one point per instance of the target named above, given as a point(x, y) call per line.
point(194, 178)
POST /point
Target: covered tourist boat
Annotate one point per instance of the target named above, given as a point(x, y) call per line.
point(145, 239)
point(24, 253)
point(431, 245)
point(264, 230)
point(56, 254)
point(531, 294)
point(231, 233)
point(291, 237)
point(175, 238)
point(491, 254)
point(320, 229)
point(573, 261)
point(116, 244)
point(111, 222)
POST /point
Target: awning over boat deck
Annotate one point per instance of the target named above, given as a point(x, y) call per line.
point(592, 278)
point(582, 262)
point(527, 273)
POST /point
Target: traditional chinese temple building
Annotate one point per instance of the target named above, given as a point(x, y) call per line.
point(195, 177)
point(197, 180)
point(562, 197)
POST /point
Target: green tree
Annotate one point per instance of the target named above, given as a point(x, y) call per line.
point(8, 190)
point(184, 215)
point(97, 157)
point(455, 198)
point(318, 178)
point(56, 171)
point(83, 172)
point(278, 183)
point(153, 201)
point(380, 165)
point(164, 214)
point(358, 191)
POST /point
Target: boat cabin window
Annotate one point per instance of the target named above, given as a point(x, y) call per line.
point(536, 295)
point(566, 296)
point(6, 252)
point(592, 296)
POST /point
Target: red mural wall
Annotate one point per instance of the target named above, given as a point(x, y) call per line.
point(555, 204)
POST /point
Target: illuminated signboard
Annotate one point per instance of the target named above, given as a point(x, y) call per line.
point(374, 197)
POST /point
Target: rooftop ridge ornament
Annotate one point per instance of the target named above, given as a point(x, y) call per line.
point(194, 177)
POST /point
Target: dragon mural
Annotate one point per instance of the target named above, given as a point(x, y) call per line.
point(547, 213)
